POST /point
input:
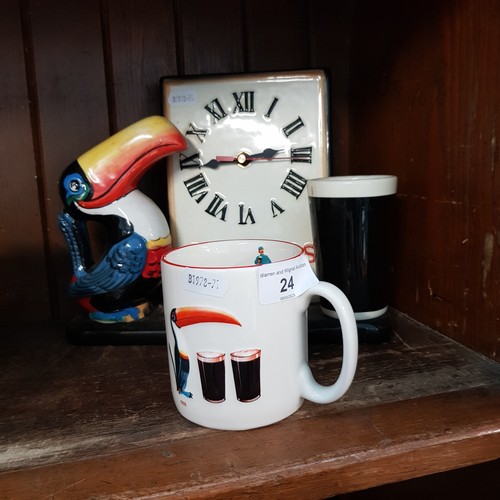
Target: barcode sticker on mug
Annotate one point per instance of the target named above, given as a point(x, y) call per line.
point(282, 281)
point(205, 283)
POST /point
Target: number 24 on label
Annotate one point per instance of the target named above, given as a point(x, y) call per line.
point(287, 284)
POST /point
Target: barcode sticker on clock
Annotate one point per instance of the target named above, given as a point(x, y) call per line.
point(182, 97)
point(282, 281)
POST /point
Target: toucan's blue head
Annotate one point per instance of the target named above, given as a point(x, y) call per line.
point(74, 186)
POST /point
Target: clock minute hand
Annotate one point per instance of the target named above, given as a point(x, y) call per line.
point(267, 154)
point(244, 158)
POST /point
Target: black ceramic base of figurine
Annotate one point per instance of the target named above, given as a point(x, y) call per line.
point(148, 331)
point(151, 330)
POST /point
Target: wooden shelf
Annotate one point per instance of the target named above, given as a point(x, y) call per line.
point(86, 421)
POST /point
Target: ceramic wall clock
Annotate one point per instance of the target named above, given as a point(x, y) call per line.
point(254, 140)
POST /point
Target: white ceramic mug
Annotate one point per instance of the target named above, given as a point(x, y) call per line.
point(237, 332)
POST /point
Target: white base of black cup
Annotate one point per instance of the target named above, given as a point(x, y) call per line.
point(359, 316)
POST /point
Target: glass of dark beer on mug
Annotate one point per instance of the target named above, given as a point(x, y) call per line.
point(246, 373)
point(351, 219)
point(212, 375)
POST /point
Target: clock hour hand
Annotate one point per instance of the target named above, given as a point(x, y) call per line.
point(212, 164)
point(220, 160)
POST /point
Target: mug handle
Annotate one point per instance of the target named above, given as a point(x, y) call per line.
point(310, 389)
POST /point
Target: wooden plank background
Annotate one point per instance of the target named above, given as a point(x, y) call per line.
point(425, 97)
point(414, 92)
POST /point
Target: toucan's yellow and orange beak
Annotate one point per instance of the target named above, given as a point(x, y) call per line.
point(114, 167)
point(185, 316)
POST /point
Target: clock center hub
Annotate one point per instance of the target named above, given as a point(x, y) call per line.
point(242, 159)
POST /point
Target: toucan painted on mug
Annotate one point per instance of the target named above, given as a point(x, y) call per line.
point(181, 317)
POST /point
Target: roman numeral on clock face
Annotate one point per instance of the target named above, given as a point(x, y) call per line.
point(217, 207)
point(293, 126)
point(197, 187)
point(246, 216)
point(294, 183)
point(271, 108)
point(216, 110)
point(198, 132)
point(190, 161)
point(301, 155)
point(244, 102)
point(276, 209)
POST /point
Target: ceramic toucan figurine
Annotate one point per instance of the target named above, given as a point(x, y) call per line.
point(101, 185)
point(185, 316)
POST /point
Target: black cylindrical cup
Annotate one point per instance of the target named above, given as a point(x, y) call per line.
point(351, 216)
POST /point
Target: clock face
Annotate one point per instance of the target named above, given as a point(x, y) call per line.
point(254, 141)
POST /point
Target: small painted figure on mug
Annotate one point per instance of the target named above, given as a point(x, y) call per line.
point(262, 258)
